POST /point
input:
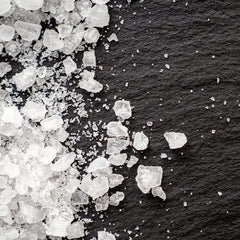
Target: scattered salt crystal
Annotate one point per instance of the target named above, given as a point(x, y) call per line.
point(5, 6)
point(185, 204)
point(158, 192)
point(52, 123)
point(35, 111)
point(140, 141)
point(4, 68)
point(97, 164)
point(148, 177)
point(12, 115)
point(52, 41)
point(113, 37)
point(132, 161)
point(116, 129)
point(118, 159)
point(69, 65)
point(116, 198)
point(219, 193)
point(102, 235)
point(89, 59)
point(29, 5)
point(75, 230)
point(175, 139)
point(163, 155)
point(6, 33)
point(122, 109)
point(91, 35)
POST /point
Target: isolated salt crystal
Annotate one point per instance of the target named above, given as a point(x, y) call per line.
point(148, 177)
point(12, 115)
point(52, 41)
point(118, 159)
point(122, 109)
point(5, 6)
point(64, 162)
point(75, 230)
point(140, 141)
point(69, 65)
point(6, 195)
point(29, 5)
point(113, 37)
point(132, 161)
point(25, 79)
point(175, 139)
point(158, 192)
point(64, 30)
point(98, 16)
point(97, 164)
point(163, 155)
point(51, 123)
point(115, 180)
point(116, 129)
point(47, 155)
point(69, 5)
point(91, 35)
point(102, 235)
point(96, 187)
point(116, 198)
point(13, 48)
point(4, 68)
point(102, 203)
point(89, 59)
point(35, 111)
point(116, 145)
point(28, 31)
point(6, 33)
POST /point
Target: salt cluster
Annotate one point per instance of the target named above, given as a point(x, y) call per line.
point(175, 139)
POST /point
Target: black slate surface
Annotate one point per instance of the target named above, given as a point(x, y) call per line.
point(180, 97)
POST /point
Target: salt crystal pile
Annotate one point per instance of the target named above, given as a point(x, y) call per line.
point(140, 141)
point(175, 139)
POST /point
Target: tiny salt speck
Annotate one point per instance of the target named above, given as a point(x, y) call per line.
point(219, 193)
point(185, 204)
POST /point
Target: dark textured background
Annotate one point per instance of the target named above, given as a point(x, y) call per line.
point(210, 162)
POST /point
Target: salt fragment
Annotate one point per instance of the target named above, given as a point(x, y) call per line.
point(4, 68)
point(97, 164)
point(158, 192)
point(102, 235)
point(140, 141)
point(52, 41)
point(64, 30)
point(113, 37)
point(6, 32)
point(12, 115)
point(118, 159)
point(89, 59)
point(69, 65)
point(116, 198)
point(132, 161)
point(91, 35)
point(51, 123)
point(29, 5)
point(34, 111)
point(175, 139)
point(75, 230)
point(116, 129)
point(122, 109)
point(64, 162)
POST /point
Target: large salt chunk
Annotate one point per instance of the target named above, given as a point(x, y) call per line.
point(25, 79)
point(52, 41)
point(98, 16)
point(69, 65)
point(5, 6)
point(52, 123)
point(7, 195)
point(94, 188)
point(6, 33)
point(116, 198)
point(97, 164)
point(47, 155)
point(175, 139)
point(148, 177)
point(89, 59)
point(118, 159)
point(75, 230)
point(12, 115)
point(122, 109)
point(28, 31)
point(35, 111)
point(64, 162)
point(158, 192)
point(140, 141)
point(116, 129)
point(4, 68)
point(29, 5)
point(91, 35)
point(102, 235)
point(116, 145)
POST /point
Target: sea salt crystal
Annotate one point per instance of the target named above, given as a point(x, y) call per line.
point(116, 198)
point(6, 195)
point(64, 30)
point(102, 235)
point(140, 141)
point(12, 115)
point(29, 5)
point(89, 59)
point(6, 33)
point(47, 155)
point(118, 159)
point(113, 37)
point(122, 109)
point(34, 111)
point(4, 68)
point(132, 161)
point(5, 6)
point(116, 129)
point(13, 48)
point(148, 177)
point(51, 123)
point(163, 155)
point(64, 162)
point(69, 65)
point(68, 5)
point(3, 210)
point(52, 41)
point(158, 192)
point(75, 230)
point(116, 145)
point(175, 139)
point(79, 198)
point(102, 203)
point(97, 164)
point(115, 180)
point(91, 35)
point(62, 135)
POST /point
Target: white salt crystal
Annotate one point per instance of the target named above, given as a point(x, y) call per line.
point(5, 6)
point(6, 33)
point(25, 79)
point(51, 123)
point(4, 68)
point(72, 185)
point(89, 59)
point(158, 192)
point(69, 5)
point(97, 164)
point(122, 109)
point(140, 141)
point(75, 230)
point(13, 48)
point(163, 155)
point(116, 129)
point(116, 198)
point(34, 111)
point(102, 235)
point(148, 177)
point(219, 193)
point(64, 30)
point(98, 16)
point(132, 161)
point(84, 7)
point(116, 145)
point(64, 162)
point(102, 172)
point(91, 35)
point(94, 188)
point(175, 139)
point(8, 168)
point(113, 37)
point(115, 180)
point(69, 65)
point(52, 41)
point(3, 210)
point(29, 5)
point(62, 135)
point(12, 115)
point(28, 31)
point(102, 203)
point(6, 195)
point(118, 159)
point(47, 155)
